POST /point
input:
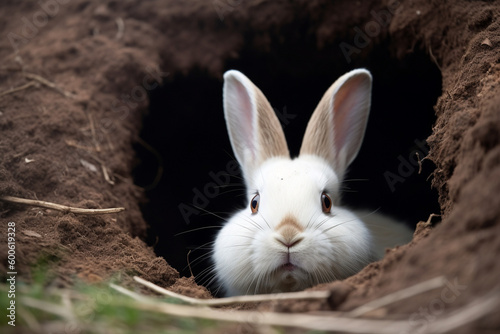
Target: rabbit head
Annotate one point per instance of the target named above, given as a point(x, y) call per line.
point(293, 234)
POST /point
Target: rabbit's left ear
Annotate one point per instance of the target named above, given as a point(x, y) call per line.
point(337, 126)
point(254, 130)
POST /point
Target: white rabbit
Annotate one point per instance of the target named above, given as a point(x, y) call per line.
point(294, 234)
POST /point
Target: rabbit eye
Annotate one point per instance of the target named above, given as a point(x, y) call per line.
point(254, 203)
point(326, 202)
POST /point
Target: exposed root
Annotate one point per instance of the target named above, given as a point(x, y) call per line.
point(431, 216)
point(435, 60)
point(419, 163)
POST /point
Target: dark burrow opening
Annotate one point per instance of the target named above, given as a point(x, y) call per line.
point(192, 157)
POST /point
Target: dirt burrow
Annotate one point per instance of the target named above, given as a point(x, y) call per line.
point(105, 57)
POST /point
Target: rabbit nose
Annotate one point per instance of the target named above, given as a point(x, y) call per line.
point(289, 232)
point(290, 243)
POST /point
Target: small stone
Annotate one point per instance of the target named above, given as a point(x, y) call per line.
point(487, 42)
point(30, 233)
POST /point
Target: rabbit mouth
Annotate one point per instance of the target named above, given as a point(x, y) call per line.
point(289, 277)
point(289, 266)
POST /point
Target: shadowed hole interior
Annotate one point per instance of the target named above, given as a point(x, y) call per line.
point(186, 129)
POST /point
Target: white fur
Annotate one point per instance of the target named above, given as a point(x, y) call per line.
point(248, 254)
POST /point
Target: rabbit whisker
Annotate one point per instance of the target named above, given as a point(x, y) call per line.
point(238, 190)
point(211, 213)
point(337, 225)
point(322, 222)
point(206, 271)
point(206, 252)
point(197, 229)
point(200, 258)
point(252, 222)
point(198, 261)
point(242, 246)
point(264, 219)
point(311, 220)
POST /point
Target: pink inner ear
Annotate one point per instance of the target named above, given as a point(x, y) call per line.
point(245, 114)
point(341, 114)
point(350, 114)
point(245, 104)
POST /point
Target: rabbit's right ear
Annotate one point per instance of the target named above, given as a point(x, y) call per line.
point(337, 126)
point(254, 130)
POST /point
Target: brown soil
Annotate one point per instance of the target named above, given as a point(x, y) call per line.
point(54, 147)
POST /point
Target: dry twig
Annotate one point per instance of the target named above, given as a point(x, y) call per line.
point(48, 84)
point(107, 178)
point(121, 28)
point(238, 299)
point(53, 308)
point(435, 60)
point(73, 143)
point(257, 318)
point(333, 323)
point(93, 132)
point(35, 80)
point(419, 163)
point(92, 150)
point(104, 169)
point(30, 319)
point(58, 207)
point(17, 89)
point(416, 289)
point(467, 314)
